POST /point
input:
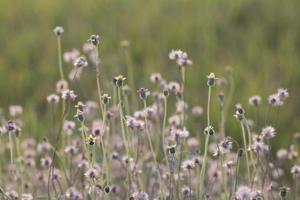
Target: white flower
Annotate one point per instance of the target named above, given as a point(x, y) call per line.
point(274, 100)
point(15, 110)
point(268, 132)
point(296, 170)
point(255, 100)
point(282, 94)
point(68, 95)
point(80, 62)
point(52, 98)
point(243, 193)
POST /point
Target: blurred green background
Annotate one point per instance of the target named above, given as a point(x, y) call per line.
point(260, 39)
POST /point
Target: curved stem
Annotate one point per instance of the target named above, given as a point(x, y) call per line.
point(246, 152)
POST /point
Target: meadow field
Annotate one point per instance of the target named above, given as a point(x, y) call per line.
point(132, 99)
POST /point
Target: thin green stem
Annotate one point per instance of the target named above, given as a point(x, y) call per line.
point(151, 146)
point(246, 152)
point(61, 72)
point(122, 121)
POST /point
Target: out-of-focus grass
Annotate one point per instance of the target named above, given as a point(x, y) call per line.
point(260, 39)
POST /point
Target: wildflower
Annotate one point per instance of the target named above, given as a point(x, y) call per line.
point(46, 162)
point(143, 93)
point(43, 147)
point(105, 99)
point(91, 139)
point(166, 92)
point(174, 87)
point(69, 126)
point(180, 133)
point(12, 195)
point(56, 174)
point(73, 194)
point(80, 106)
point(95, 40)
point(296, 171)
point(221, 97)
point(255, 100)
point(181, 106)
point(68, 95)
point(91, 173)
point(15, 110)
point(268, 132)
point(283, 191)
point(197, 111)
point(211, 79)
point(11, 126)
point(80, 62)
point(239, 112)
point(58, 31)
point(282, 94)
point(88, 48)
point(225, 146)
point(70, 56)
point(243, 193)
point(186, 191)
point(61, 86)
point(282, 154)
point(79, 116)
point(198, 160)
point(155, 78)
point(209, 130)
point(53, 99)
point(71, 149)
point(119, 80)
point(174, 120)
point(139, 196)
point(180, 57)
point(274, 100)
point(259, 148)
point(188, 164)
point(171, 149)
point(293, 153)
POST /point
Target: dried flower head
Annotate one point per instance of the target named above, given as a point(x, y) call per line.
point(211, 79)
point(209, 130)
point(268, 132)
point(143, 93)
point(53, 99)
point(105, 99)
point(68, 95)
point(274, 100)
point(58, 31)
point(255, 100)
point(61, 86)
point(119, 80)
point(94, 40)
point(80, 62)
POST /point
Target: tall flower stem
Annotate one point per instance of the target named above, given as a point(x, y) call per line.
point(163, 129)
point(151, 146)
point(246, 152)
point(122, 122)
point(203, 168)
point(105, 163)
point(183, 86)
point(224, 178)
point(61, 72)
point(98, 79)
